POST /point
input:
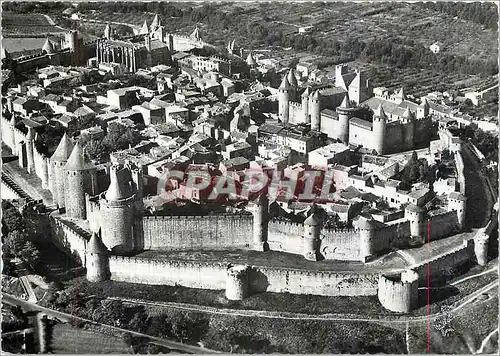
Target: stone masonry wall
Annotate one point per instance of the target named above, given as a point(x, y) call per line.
point(340, 244)
point(69, 238)
point(183, 232)
point(213, 276)
point(443, 225)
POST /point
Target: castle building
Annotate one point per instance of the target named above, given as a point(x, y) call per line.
point(151, 47)
point(80, 179)
point(398, 124)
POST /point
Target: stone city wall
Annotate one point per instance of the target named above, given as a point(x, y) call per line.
point(454, 258)
point(285, 236)
point(261, 279)
point(398, 295)
point(392, 235)
point(459, 162)
point(69, 238)
point(340, 244)
point(184, 232)
point(442, 225)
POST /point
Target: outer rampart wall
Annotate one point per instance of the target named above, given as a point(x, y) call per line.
point(68, 238)
point(454, 258)
point(218, 231)
point(213, 276)
point(460, 171)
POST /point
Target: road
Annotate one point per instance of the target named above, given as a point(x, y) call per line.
point(29, 290)
point(64, 317)
point(479, 201)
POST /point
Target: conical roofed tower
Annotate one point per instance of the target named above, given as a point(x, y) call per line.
point(144, 29)
point(48, 47)
point(117, 211)
point(80, 180)
point(57, 163)
point(97, 257)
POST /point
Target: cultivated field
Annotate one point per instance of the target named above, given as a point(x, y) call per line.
point(27, 24)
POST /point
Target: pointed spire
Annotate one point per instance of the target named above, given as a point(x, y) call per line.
point(424, 102)
point(345, 103)
point(315, 95)
point(380, 113)
point(78, 160)
point(95, 244)
point(306, 92)
point(408, 115)
point(144, 28)
point(119, 187)
point(292, 79)
point(401, 94)
point(314, 218)
point(285, 84)
point(107, 31)
point(195, 35)
point(5, 54)
point(250, 59)
point(48, 47)
point(30, 136)
point(63, 150)
point(155, 23)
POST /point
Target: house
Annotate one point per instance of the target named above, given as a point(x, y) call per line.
point(25, 106)
point(436, 47)
point(333, 153)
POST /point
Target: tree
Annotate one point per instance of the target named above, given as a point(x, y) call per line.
point(95, 149)
point(12, 220)
point(30, 254)
point(120, 137)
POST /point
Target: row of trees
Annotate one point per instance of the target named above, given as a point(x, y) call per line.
point(483, 13)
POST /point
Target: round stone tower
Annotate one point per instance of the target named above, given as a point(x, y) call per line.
point(379, 127)
point(117, 212)
point(312, 235)
point(237, 287)
point(261, 223)
point(457, 202)
point(344, 112)
point(284, 100)
point(315, 110)
point(29, 151)
point(416, 216)
point(481, 248)
point(366, 228)
point(292, 79)
point(423, 109)
point(80, 179)
point(57, 163)
point(108, 32)
point(409, 128)
point(305, 105)
point(399, 293)
point(138, 229)
point(97, 257)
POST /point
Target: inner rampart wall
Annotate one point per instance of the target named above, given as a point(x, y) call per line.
point(68, 238)
point(184, 232)
point(340, 244)
point(442, 225)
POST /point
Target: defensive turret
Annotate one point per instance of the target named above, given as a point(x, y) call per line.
point(416, 216)
point(305, 104)
point(251, 60)
point(144, 29)
point(312, 235)
point(315, 110)
point(107, 32)
point(80, 180)
point(97, 257)
point(117, 211)
point(379, 127)
point(261, 223)
point(457, 202)
point(48, 47)
point(57, 163)
point(344, 112)
point(284, 100)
